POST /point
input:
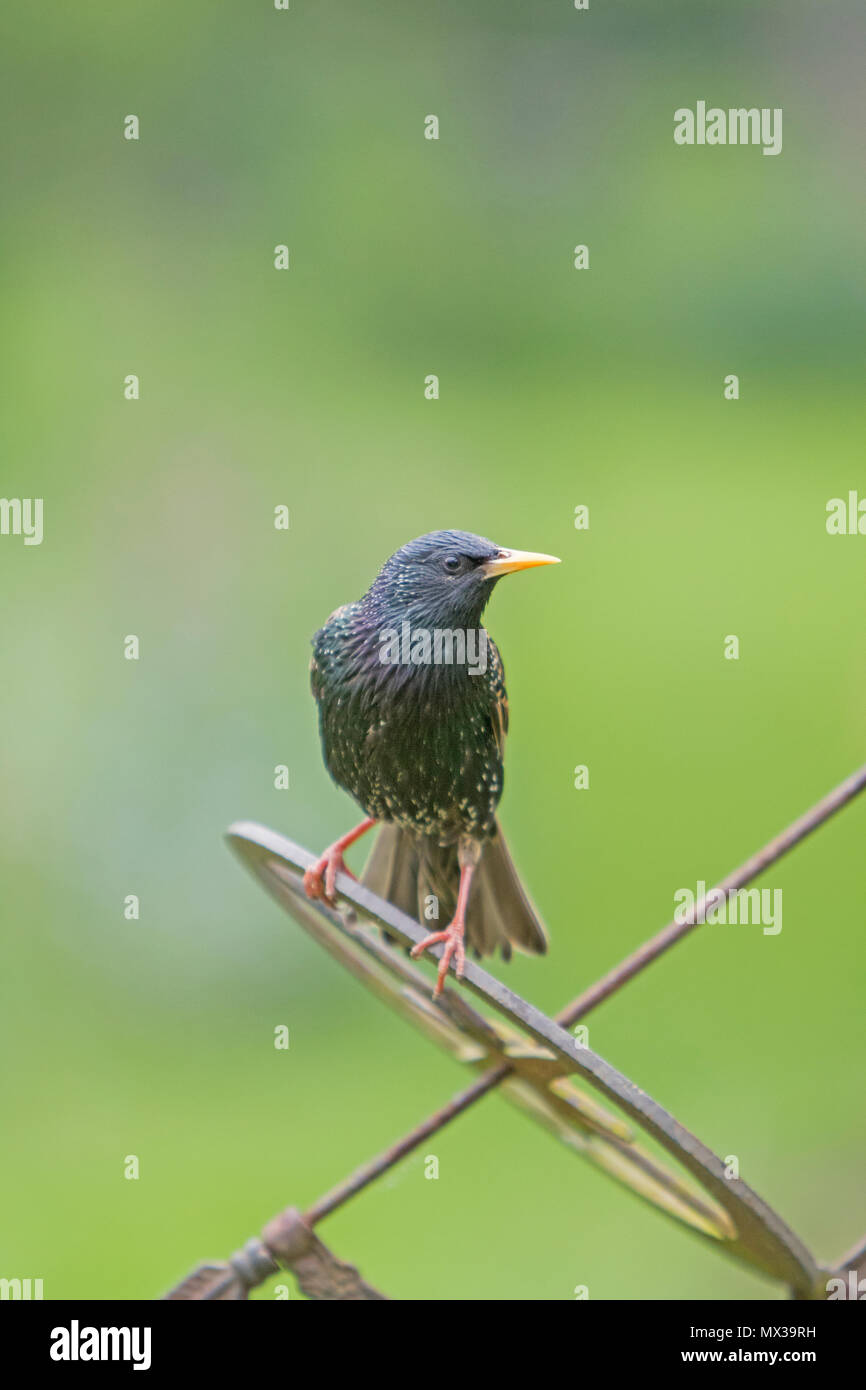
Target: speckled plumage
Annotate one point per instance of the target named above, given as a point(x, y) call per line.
point(421, 746)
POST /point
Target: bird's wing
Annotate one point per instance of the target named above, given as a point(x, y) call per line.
point(337, 611)
point(499, 711)
point(315, 684)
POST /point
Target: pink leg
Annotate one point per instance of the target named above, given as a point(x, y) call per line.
point(321, 877)
point(452, 935)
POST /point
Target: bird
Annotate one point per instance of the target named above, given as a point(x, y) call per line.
point(413, 714)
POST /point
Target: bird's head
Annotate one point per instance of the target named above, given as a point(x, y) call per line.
point(444, 579)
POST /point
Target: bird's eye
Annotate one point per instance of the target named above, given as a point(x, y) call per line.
point(451, 563)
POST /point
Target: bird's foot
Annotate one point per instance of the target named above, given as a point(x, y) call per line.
point(453, 939)
point(321, 878)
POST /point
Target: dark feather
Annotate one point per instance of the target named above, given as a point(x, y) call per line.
point(408, 871)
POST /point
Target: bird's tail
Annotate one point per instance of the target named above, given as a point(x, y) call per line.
point(414, 873)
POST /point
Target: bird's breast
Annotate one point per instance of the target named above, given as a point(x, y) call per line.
point(420, 752)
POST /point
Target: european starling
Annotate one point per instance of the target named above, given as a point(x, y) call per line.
point(413, 715)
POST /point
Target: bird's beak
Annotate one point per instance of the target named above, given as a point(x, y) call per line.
point(507, 561)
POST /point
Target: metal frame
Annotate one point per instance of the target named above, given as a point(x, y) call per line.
point(533, 1058)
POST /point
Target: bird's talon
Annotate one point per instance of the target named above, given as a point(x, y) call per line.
point(428, 941)
point(320, 880)
point(313, 881)
point(453, 939)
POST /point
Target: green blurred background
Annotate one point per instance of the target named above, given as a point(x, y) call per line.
point(558, 388)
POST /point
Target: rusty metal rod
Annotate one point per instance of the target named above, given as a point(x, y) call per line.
point(369, 1171)
point(771, 853)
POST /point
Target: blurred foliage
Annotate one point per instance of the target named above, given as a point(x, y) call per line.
point(601, 387)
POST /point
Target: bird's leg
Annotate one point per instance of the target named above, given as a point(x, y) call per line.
point(468, 854)
point(321, 877)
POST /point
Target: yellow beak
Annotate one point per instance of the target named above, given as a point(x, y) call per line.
point(508, 561)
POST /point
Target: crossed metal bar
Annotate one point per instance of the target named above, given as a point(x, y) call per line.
point(533, 1058)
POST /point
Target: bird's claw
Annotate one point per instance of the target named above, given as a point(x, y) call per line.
point(320, 880)
point(453, 939)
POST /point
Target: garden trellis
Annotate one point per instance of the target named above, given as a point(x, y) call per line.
point(534, 1060)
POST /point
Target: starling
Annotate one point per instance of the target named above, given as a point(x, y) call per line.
point(413, 715)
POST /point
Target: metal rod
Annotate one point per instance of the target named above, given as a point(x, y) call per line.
point(737, 878)
point(369, 1171)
